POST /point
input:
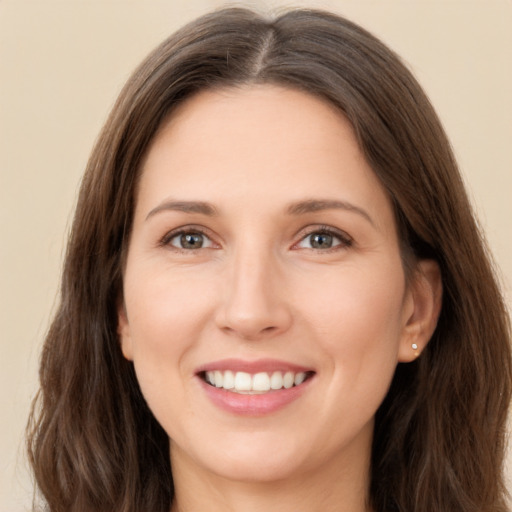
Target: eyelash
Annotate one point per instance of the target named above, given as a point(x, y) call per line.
point(189, 230)
point(345, 240)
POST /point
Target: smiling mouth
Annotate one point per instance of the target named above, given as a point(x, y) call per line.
point(257, 383)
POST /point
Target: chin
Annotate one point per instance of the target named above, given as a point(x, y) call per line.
point(248, 458)
point(257, 470)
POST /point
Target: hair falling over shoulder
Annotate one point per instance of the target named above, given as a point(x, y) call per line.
point(440, 434)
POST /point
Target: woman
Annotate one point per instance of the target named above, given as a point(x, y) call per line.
point(275, 295)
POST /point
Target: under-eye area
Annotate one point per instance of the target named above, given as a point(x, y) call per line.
point(254, 383)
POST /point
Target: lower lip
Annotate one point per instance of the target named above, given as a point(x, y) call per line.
point(254, 405)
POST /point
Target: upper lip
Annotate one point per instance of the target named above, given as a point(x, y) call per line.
point(256, 366)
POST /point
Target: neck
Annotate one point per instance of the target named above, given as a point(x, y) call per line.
point(335, 487)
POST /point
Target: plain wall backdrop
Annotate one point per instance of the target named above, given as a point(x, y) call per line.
point(62, 64)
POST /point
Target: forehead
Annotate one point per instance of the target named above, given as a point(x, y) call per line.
point(255, 102)
point(280, 118)
point(255, 142)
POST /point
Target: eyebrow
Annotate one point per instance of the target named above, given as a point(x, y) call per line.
point(316, 205)
point(201, 207)
point(298, 208)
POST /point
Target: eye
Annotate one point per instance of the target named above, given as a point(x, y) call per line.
point(187, 240)
point(324, 239)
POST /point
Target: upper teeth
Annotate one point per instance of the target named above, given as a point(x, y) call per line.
point(260, 382)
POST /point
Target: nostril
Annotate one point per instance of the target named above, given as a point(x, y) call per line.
point(249, 331)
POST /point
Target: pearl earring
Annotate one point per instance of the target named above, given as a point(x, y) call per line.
point(415, 348)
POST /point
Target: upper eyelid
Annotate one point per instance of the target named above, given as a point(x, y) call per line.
point(321, 228)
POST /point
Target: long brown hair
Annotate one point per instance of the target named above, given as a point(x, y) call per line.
point(440, 434)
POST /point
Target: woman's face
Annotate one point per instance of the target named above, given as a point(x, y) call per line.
point(265, 304)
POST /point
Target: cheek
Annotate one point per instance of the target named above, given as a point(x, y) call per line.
point(358, 318)
point(164, 310)
point(359, 328)
point(166, 319)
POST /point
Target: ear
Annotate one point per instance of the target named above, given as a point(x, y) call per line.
point(421, 309)
point(123, 331)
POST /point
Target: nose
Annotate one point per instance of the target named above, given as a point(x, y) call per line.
point(255, 301)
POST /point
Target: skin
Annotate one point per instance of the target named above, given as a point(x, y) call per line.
point(258, 288)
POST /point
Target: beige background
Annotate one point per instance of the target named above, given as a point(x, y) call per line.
point(62, 64)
